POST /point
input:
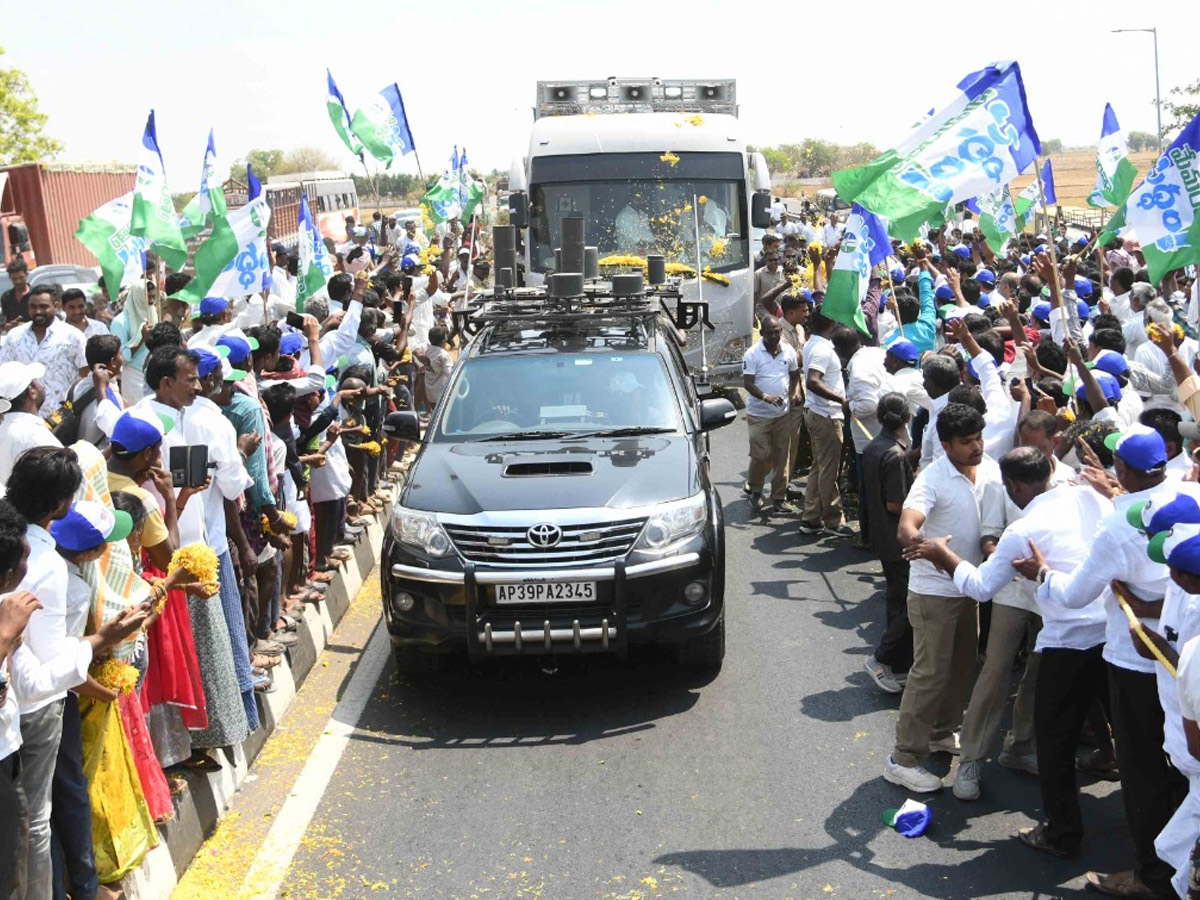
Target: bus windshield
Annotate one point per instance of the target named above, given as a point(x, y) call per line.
point(637, 215)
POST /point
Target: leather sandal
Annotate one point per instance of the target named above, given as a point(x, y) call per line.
point(1035, 837)
point(1118, 884)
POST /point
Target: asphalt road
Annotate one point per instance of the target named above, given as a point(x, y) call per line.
point(637, 781)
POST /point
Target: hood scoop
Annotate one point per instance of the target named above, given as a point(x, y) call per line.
point(546, 469)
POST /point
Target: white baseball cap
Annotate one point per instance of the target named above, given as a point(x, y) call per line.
point(15, 377)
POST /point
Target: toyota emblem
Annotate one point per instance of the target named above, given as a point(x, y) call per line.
point(544, 534)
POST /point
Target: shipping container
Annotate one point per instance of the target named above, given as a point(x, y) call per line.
point(50, 200)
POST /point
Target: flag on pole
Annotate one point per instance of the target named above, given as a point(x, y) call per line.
point(980, 139)
point(1163, 210)
point(382, 126)
point(250, 268)
point(997, 218)
point(1031, 197)
point(1115, 174)
point(314, 268)
point(864, 244)
point(445, 198)
point(209, 201)
point(340, 116)
point(153, 214)
point(470, 191)
point(122, 254)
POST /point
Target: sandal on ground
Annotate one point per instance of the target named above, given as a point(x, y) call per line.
point(201, 762)
point(1118, 884)
point(176, 784)
point(1035, 837)
point(341, 554)
point(264, 662)
point(321, 578)
point(1099, 765)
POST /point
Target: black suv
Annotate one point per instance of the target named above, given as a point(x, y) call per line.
point(560, 500)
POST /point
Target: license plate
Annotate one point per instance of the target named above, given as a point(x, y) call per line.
point(547, 592)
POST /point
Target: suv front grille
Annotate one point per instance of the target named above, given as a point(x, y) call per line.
point(592, 542)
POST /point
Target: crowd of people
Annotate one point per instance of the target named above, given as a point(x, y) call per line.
point(139, 431)
point(1019, 430)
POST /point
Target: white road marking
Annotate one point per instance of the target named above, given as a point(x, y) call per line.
point(266, 876)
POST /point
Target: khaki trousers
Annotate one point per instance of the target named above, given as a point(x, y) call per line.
point(769, 441)
point(945, 632)
point(981, 723)
point(796, 436)
point(822, 503)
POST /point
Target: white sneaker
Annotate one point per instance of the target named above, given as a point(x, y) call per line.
point(882, 675)
point(948, 744)
point(1019, 762)
point(916, 778)
point(966, 782)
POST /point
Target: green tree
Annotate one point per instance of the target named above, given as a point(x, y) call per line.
point(1183, 110)
point(305, 159)
point(1141, 140)
point(1052, 145)
point(22, 137)
point(858, 155)
point(264, 163)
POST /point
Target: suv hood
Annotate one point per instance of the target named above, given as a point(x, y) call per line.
point(469, 478)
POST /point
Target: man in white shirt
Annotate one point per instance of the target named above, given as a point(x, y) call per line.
point(832, 232)
point(22, 427)
point(939, 376)
point(1153, 788)
point(74, 306)
point(771, 376)
point(959, 495)
point(1070, 673)
point(824, 410)
point(53, 343)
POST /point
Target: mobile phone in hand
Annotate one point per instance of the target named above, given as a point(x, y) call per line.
point(294, 319)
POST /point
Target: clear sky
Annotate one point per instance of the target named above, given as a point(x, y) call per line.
point(841, 71)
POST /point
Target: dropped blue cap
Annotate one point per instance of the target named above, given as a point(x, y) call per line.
point(962, 252)
point(1083, 286)
point(944, 292)
point(905, 350)
point(1110, 361)
point(209, 359)
point(136, 430)
point(1141, 447)
point(1041, 312)
point(1112, 393)
point(213, 306)
point(240, 347)
point(1178, 548)
point(985, 276)
point(88, 524)
point(1165, 509)
point(910, 820)
point(291, 343)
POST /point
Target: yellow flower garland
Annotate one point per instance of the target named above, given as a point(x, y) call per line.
point(371, 448)
point(199, 561)
point(288, 520)
point(115, 675)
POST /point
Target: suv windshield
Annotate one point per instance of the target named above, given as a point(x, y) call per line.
point(560, 394)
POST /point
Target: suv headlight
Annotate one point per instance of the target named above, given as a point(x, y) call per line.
point(674, 522)
point(420, 530)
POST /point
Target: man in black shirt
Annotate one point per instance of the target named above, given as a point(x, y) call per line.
point(887, 476)
point(14, 303)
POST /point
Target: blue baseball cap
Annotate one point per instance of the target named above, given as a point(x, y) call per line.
point(1141, 447)
point(944, 292)
point(985, 276)
point(897, 273)
point(910, 820)
point(291, 343)
point(1026, 259)
point(1081, 241)
point(410, 261)
point(962, 252)
point(209, 359)
point(213, 306)
point(905, 350)
point(137, 429)
point(1165, 509)
point(1083, 286)
point(1179, 548)
point(1112, 362)
point(239, 347)
point(806, 296)
point(88, 524)
point(1041, 312)
point(1040, 248)
point(1112, 393)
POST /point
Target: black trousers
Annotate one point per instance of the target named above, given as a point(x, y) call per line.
point(1068, 683)
point(71, 815)
point(896, 645)
point(1151, 787)
point(14, 828)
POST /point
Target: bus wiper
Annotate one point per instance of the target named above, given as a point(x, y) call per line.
point(620, 432)
point(524, 436)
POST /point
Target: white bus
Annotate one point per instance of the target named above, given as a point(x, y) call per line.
point(639, 159)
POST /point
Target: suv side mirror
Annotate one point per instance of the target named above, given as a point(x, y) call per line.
point(760, 210)
point(716, 413)
point(518, 209)
point(402, 426)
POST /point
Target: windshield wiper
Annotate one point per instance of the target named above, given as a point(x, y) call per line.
point(524, 436)
point(620, 432)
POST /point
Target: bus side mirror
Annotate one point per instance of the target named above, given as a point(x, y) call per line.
point(760, 210)
point(518, 209)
